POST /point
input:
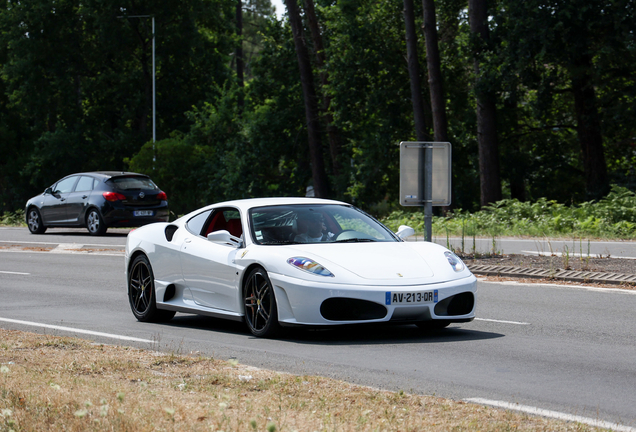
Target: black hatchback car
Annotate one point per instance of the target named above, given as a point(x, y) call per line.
point(97, 201)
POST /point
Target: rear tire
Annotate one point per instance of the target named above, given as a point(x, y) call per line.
point(141, 292)
point(261, 313)
point(34, 221)
point(95, 223)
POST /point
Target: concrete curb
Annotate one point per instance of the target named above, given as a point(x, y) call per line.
point(560, 274)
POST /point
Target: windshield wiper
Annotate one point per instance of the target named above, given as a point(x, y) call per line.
point(355, 240)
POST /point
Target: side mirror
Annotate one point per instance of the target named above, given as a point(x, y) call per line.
point(405, 231)
point(225, 238)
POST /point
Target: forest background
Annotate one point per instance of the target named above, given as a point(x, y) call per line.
point(537, 97)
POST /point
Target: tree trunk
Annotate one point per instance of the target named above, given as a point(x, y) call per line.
point(490, 183)
point(516, 158)
point(332, 130)
point(145, 58)
point(589, 129)
point(414, 72)
point(319, 175)
point(438, 103)
point(239, 54)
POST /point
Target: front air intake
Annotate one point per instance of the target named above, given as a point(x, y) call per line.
point(348, 309)
point(459, 304)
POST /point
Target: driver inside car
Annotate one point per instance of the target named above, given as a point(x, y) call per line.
point(315, 229)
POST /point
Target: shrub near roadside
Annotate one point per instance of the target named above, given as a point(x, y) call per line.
point(612, 217)
point(13, 219)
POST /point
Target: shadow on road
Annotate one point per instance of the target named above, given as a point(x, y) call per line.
point(387, 334)
point(365, 334)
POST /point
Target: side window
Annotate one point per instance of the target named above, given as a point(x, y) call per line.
point(228, 219)
point(66, 185)
point(85, 184)
point(195, 224)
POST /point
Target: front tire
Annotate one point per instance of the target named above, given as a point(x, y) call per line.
point(261, 313)
point(141, 292)
point(34, 221)
point(94, 223)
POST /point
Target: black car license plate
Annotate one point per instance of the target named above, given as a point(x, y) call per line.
point(143, 212)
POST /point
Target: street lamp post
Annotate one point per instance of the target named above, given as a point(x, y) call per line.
point(154, 93)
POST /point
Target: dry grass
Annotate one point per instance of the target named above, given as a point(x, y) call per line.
point(59, 383)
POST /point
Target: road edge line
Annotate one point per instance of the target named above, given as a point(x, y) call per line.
point(551, 414)
point(75, 330)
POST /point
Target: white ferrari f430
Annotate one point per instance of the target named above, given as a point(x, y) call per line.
point(275, 262)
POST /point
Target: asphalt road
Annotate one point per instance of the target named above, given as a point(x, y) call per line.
point(573, 247)
point(116, 238)
point(558, 348)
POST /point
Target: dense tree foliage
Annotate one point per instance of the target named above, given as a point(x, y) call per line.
point(77, 81)
point(76, 95)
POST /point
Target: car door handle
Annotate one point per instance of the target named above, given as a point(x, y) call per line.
point(187, 240)
point(84, 196)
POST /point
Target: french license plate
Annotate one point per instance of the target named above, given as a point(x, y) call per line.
point(415, 297)
point(143, 212)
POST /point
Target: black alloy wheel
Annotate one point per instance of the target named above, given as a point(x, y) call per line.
point(94, 223)
point(34, 221)
point(261, 313)
point(141, 292)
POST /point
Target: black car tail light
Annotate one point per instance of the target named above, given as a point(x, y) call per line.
point(113, 196)
point(161, 196)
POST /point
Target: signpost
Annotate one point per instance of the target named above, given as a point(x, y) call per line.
point(425, 177)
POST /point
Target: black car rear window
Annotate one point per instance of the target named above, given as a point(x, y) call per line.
point(132, 183)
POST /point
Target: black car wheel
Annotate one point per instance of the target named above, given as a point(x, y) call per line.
point(141, 292)
point(94, 223)
point(261, 314)
point(34, 221)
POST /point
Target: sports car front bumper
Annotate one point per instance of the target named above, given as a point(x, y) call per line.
point(302, 302)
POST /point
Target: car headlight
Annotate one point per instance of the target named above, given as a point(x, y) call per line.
point(309, 265)
point(454, 261)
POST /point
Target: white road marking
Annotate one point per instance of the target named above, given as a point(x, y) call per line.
point(81, 331)
point(67, 248)
point(502, 321)
point(574, 254)
point(552, 414)
point(115, 253)
point(18, 242)
point(15, 273)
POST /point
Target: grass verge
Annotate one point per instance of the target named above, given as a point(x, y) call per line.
point(60, 383)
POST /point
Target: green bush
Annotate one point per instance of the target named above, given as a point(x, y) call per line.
point(611, 217)
point(13, 219)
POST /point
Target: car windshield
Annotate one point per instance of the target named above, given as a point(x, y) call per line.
point(326, 223)
point(133, 183)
